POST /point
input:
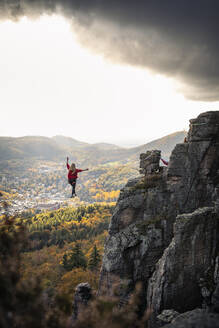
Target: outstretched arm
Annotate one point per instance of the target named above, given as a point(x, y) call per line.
point(80, 170)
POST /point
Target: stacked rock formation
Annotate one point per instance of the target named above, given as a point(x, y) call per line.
point(149, 162)
point(164, 231)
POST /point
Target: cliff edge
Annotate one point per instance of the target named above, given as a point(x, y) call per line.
point(165, 227)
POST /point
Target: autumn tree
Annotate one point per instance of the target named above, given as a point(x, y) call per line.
point(94, 259)
point(22, 303)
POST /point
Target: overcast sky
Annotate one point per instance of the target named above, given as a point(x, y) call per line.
point(113, 71)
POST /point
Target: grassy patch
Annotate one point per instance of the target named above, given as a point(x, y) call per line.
point(149, 181)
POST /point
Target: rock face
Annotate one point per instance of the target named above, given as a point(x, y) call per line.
point(194, 166)
point(195, 319)
point(164, 230)
point(187, 261)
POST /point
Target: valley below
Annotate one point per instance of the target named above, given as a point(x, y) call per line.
point(33, 172)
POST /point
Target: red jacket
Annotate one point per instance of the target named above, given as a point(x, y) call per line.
point(72, 175)
point(165, 162)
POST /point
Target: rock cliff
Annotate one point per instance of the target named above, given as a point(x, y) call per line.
point(164, 230)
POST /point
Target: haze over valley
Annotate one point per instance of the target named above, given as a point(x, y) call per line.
point(34, 175)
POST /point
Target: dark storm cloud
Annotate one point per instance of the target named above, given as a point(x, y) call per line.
point(177, 38)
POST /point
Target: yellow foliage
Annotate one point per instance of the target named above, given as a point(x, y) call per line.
point(72, 278)
point(106, 195)
point(5, 195)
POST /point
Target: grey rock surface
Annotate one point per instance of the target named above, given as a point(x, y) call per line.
point(204, 127)
point(168, 316)
point(215, 300)
point(142, 230)
point(149, 161)
point(189, 258)
point(195, 319)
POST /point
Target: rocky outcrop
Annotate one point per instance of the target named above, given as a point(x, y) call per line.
point(193, 171)
point(138, 233)
point(83, 295)
point(184, 276)
point(142, 229)
point(149, 162)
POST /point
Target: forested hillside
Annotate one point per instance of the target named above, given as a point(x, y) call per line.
point(65, 246)
point(30, 147)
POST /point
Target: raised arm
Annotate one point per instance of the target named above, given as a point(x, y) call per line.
point(68, 166)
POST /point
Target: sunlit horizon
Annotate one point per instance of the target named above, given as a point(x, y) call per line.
point(51, 85)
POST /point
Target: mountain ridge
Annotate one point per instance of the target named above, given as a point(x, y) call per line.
point(58, 147)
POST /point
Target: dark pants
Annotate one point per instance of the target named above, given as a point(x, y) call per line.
point(72, 182)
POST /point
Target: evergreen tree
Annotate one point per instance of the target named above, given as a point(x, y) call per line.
point(61, 243)
point(75, 260)
point(65, 262)
point(94, 259)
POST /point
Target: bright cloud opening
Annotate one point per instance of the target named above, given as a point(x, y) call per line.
point(50, 85)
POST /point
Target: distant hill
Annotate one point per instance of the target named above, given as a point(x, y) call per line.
point(30, 147)
point(105, 146)
point(165, 144)
point(69, 142)
point(58, 147)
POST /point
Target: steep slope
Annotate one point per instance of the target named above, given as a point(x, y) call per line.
point(142, 225)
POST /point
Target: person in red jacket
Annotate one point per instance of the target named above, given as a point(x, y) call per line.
point(73, 175)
